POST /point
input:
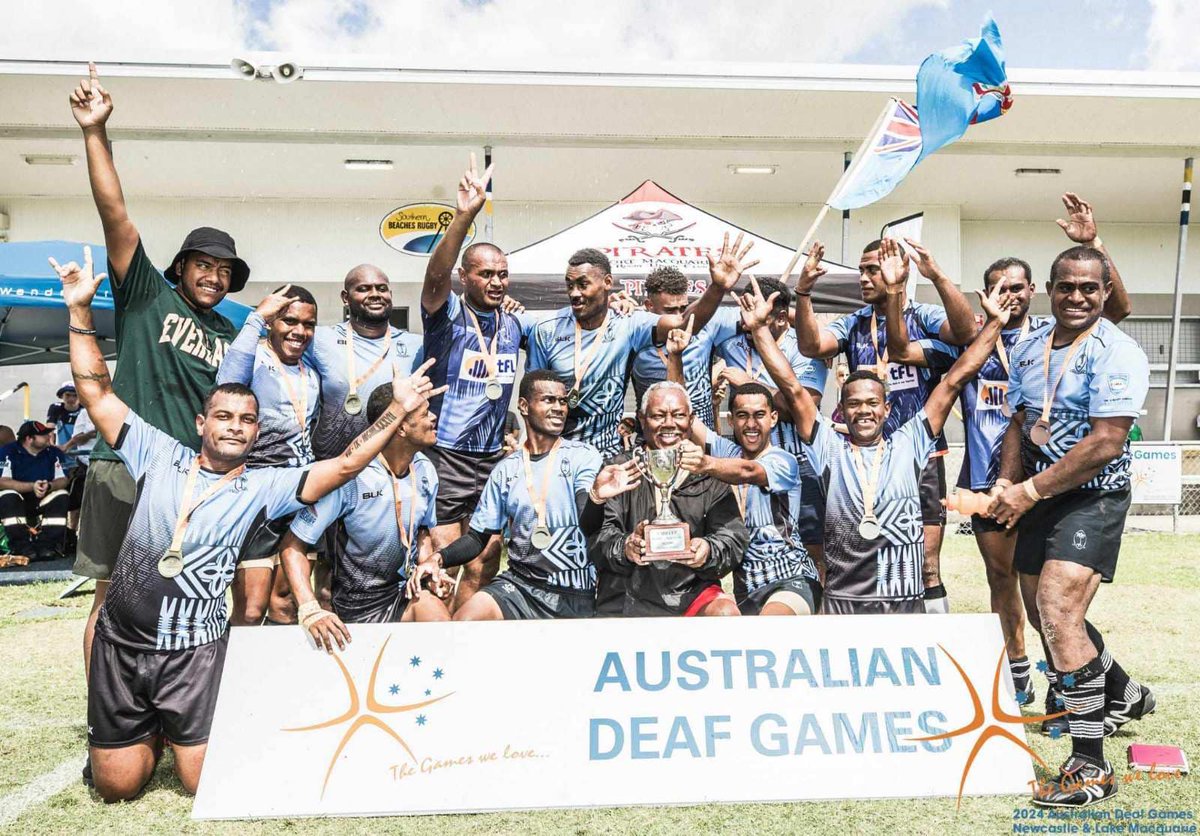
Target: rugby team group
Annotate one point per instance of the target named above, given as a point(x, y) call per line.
point(349, 473)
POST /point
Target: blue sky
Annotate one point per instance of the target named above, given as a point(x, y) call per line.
point(1079, 34)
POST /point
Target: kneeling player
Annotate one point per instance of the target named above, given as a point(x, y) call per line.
point(776, 577)
point(549, 496)
point(873, 533)
point(385, 518)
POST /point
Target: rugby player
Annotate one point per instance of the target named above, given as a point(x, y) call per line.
point(476, 342)
point(549, 497)
point(1075, 387)
point(590, 347)
point(289, 395)
point(631, 585)
point(667, 295)
point(386, 515)
point(873, 532)
point(862, 337)
point(161, 633)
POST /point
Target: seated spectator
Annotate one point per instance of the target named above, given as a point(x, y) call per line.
point(33, 502)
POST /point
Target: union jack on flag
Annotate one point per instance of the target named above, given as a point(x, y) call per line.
point(901, 132)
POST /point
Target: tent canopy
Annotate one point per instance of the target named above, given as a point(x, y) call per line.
point(651, 228)
point(33, 318)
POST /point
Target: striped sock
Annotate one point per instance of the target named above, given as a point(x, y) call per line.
point(1083, 694)
point(1020, 669)
point(1118, 686)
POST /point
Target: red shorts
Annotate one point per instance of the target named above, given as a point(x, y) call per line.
point(706, 597)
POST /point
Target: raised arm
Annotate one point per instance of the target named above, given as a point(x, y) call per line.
point(88, 367)
point(797, 400)
point(967, 367)
point(724, 271)
point(238, 364)
point(893, 265)
point(813, 340)
point(1080, 227)
point(408, 395)
point(959, 327)
point(472, 195)
point(91, 105)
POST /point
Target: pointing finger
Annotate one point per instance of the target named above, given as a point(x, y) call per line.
point(690, 324)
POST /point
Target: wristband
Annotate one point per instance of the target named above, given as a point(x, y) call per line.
point(1031, 491)
point(1004, 483)
point(87, 332)
point(798, 293)
point(309, 613)
point(594, 498)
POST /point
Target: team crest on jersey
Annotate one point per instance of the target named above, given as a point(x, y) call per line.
point(1080, 540)
point(1080, 364)
point(564, 469)
point(1117, 383)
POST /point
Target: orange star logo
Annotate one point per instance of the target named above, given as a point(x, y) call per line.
point(999, 715)
point(362, 718)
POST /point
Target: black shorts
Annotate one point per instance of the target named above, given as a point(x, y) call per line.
point(753, 602)
point(461, 477)
point(854, 606)
point(1083, 527)
point(387, 610)
point(521, 599)
point(136, 694)
point(933, 490)
point(983, 525)
point(811, 524)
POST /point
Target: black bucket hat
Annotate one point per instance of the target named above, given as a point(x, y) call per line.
point(218, 244)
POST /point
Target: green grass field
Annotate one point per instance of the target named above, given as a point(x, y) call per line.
point(43, 711)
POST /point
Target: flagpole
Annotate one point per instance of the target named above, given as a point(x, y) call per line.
point(488, 228)
point(1173, 356)
point(846, 158)
point(859, 157)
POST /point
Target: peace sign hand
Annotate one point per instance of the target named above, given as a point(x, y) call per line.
point(812, 269)
point(728, 267)
point(472, 189)
point(90, 103)
point(678, 338)
point(79, 284)
point(413, 392)
point(1081, 226)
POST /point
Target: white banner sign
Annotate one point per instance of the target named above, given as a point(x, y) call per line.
point(1157, 474)
point(436, 718)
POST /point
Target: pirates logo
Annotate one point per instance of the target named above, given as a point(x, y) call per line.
point(643, 224)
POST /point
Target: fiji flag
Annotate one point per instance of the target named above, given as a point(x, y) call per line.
point(956, 87)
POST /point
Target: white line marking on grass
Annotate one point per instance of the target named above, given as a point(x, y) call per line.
point(39, 789)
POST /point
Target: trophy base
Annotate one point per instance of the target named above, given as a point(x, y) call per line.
point(667, 541)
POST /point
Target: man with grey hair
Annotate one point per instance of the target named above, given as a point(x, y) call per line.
point(629, 582)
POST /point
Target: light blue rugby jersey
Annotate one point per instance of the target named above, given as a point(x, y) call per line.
point(336, 428)
point(740, 352)
point(371, 567)
point(146, 611)
point(551, 345)
point(887, 568)
point(983, 417)
point(281, 441)
point(775, 552)
point(467, 420)
point(648, 367)
point(506, 502)
point(1108, 378)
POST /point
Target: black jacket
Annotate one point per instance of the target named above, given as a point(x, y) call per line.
point(624, 588)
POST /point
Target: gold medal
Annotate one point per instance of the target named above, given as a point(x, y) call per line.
point(868, 480)
point(869, 528)
point(353, 404)
point(170, 564)
point(1039, 434)
point(541, 538)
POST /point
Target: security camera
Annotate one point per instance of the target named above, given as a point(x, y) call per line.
point(287, 72)
point(243, 69)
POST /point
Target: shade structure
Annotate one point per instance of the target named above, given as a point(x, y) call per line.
point(33, 318)
point(651, 228)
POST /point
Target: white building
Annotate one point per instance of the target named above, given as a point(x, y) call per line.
point(195, 144)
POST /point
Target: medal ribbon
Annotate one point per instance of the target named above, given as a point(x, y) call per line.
point(406, 534)
point(299, 399)
point(187, 507)
point(350, 378)
point(489, 353)
point(740, 491)
point(581, 362)
point(1048, 394)
point(1000, 349)
point(538, 498)
point(881, 360)
point(750, 370)
point(869, 485)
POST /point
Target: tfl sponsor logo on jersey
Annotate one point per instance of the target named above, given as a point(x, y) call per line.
point(474, 367)
point(992, 394)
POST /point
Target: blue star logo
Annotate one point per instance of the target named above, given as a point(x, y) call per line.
point(1055, 732)
point(415, 661)
point(437, 673)
point(1022, 697)
point(1043, 666)
point(395, 689)
point(428, 692)
point(1069, 680)
point(420, 719)
point(1058, 702)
